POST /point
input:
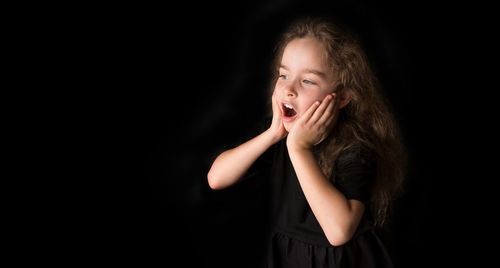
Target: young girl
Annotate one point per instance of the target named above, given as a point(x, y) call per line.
point(333, 151)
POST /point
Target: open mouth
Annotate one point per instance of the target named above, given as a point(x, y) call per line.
point(288, 110)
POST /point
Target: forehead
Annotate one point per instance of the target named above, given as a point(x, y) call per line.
point(305, 53)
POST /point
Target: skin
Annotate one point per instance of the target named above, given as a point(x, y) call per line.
point(307, 84)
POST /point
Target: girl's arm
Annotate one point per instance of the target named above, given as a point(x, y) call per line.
point(232, 164)
point(337, 216)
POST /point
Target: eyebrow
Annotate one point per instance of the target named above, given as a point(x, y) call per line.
point(316, 72)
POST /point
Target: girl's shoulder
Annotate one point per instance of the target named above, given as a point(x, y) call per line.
point(356, 153)
point(354, 172)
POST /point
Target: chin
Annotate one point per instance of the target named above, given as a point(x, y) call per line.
point(288, 126)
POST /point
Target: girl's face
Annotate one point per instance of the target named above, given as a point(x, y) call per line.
point(304, 77)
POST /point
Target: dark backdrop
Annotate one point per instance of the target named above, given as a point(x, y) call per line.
point(174, 84)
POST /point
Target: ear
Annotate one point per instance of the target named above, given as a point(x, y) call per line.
point(344, 97)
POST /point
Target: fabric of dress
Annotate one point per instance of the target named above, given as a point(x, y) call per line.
point(297, 239)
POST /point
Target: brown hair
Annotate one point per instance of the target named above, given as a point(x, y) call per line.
point(366, 120)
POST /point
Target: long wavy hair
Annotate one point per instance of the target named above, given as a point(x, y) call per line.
point(366, 120)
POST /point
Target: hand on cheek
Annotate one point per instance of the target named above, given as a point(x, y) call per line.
point(277, 128)
point(314, 125)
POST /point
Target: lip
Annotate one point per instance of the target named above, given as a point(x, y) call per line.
point(285, 118)
point(288, 119)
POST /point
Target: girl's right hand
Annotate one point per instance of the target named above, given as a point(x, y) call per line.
point(277, 128)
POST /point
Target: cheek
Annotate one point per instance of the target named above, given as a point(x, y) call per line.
point(307, 103)
point(309, 100)
point(278, 86)
point(279, 91)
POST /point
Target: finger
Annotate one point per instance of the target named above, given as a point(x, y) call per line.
point(331, 121)
point(329, 112)
point(310, 111)
point(328, 122)
point(327, 101)
point(334, 113)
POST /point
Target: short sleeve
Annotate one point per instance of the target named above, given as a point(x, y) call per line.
point(354, 173)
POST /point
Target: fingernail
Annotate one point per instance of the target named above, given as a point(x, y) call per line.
point(317, 103)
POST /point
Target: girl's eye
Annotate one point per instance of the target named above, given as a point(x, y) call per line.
point(308, 82)
point(283, 76)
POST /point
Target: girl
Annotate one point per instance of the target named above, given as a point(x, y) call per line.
point(333, 151)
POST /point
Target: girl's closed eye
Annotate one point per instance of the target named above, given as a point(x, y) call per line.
point(283, 76)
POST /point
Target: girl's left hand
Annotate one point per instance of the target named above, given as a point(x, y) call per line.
point(314, 125)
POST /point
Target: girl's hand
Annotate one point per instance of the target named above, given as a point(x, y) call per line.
point(277, 128)
point(314, 125)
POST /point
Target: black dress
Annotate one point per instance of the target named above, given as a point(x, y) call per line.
point(296, 239)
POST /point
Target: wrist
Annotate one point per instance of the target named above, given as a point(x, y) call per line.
point(271, 136)
point(296, 147)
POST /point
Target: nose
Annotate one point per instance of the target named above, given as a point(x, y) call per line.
point(289, 90)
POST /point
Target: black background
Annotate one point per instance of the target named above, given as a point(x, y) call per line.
point(168, 86)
